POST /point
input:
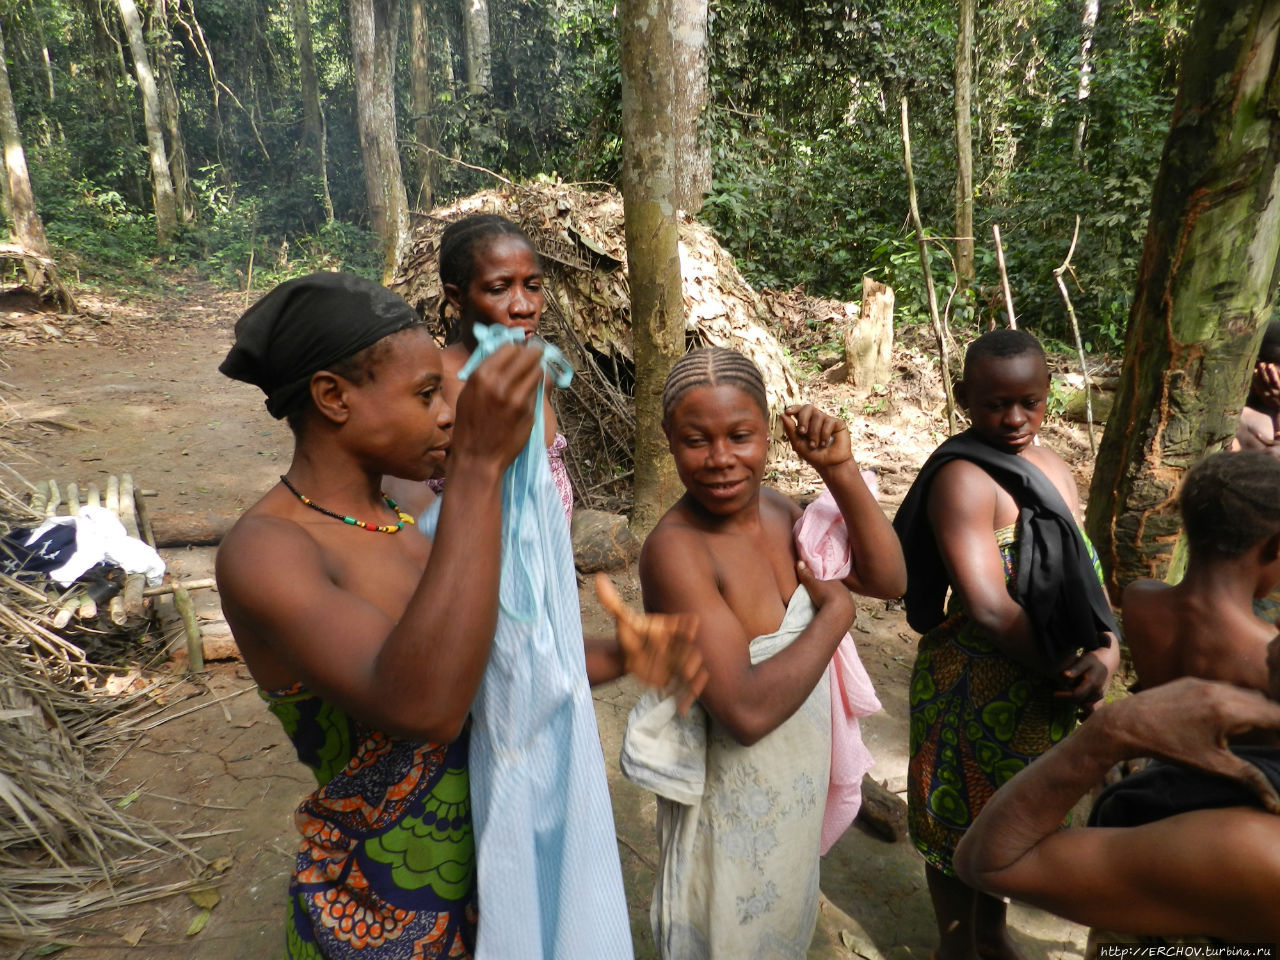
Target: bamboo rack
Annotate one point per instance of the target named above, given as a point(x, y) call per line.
point(134, 602)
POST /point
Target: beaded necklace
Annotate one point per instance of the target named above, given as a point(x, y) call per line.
point(385, 528)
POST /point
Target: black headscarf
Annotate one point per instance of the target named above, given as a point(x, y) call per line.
point(306, 324)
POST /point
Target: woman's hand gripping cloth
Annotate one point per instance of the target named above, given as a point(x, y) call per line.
point(549, 882)
point(822, 540)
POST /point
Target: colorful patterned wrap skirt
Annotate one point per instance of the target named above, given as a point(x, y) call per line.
point(977, 718)
point(386, 868)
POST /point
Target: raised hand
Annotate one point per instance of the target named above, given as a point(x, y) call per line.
point(496, 406)
point(820, 439)
point(658, 649)
point(1189, 721)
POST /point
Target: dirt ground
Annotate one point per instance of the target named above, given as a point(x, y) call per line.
point(140, 392)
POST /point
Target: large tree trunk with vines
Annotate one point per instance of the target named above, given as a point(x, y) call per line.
point(964, 146)
point(1209, 267)
point(653, 257)
point(373, 43)
point(422, 99)
point(314, 142)
point(690, 150)
point(166, 202)
point(20, 203)
point(475, 20)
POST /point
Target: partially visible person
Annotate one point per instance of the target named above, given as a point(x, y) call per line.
point(1260, 416)
point(369, 640)
point(490, 273)
point(1027, 640)
point(741, 784)
point(1205, 626)
point(1171, 852)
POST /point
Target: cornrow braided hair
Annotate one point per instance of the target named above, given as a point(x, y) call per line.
point(713, 367)
point(458, 246)
point(1230, 502)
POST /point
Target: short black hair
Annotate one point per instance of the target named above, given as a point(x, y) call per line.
point(1001, 344)
point(1230, 502)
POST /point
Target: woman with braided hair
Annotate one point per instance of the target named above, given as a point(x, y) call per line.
point(742, 779)
point(1204, 626)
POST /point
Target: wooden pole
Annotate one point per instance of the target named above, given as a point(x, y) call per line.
point(1004, 278)
point(133, 607)
point(938, 330)
point(195, 644)
point(1075, 328)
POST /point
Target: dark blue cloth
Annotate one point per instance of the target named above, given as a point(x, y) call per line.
point(26, 561)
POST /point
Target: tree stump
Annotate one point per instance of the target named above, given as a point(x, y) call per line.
point(868, 344)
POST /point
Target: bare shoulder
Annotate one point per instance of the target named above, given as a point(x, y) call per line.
point(961, 485)
point(256, 549)
point(780, 504)
point(674, 560)
point(1141, 593)
point(1058, 472)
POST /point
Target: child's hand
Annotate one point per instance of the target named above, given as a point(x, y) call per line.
point(820, 439)
point(658, 649)
point(1089, 676)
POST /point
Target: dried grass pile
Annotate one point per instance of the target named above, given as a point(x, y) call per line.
point(579, 235)
point(66, 850)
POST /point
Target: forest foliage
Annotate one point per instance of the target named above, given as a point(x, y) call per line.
point(808, 183)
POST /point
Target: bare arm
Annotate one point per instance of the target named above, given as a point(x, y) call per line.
point(879, 569)
point(962, 509)
point(1211, 872)
point(677, 574)
point(416, 676)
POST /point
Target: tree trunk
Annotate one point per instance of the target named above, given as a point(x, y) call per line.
point(691, 153)
point(20, 203)
point(313, 132)
point(172, 118)
point(653, 256)
point(166, 204)
point(420, 93)
point(475, 20)
point(1209, 267)
point(1088, 21)
point(373, 42)
point(964, 147)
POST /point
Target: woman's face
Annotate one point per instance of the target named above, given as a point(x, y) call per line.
point(720, 440)
point(505, 288)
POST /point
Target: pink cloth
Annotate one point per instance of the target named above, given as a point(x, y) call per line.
point(822, 540)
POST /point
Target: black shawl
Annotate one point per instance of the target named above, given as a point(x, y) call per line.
point(1056, 583)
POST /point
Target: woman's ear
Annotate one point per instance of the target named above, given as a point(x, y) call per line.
point(961, 393)
point(329, 394)
point(1271, 549)
point(453, 293)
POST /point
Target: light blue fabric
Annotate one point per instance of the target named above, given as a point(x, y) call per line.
point(549, 881)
